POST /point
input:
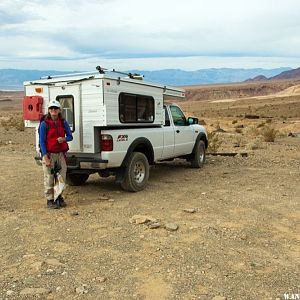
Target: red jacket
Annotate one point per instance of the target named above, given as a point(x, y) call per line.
point(54, 131)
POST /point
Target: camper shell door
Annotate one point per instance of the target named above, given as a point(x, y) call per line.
point(69, 97)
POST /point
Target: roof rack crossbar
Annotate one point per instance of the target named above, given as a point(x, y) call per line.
point(69, 75)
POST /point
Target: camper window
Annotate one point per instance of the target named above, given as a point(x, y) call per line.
point(136, 108)
point(67, 109)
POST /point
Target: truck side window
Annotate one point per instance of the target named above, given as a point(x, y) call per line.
point(136, 108)
point(178, 116)
point(67, 109)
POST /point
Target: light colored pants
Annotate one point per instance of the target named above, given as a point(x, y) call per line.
point(58, 160)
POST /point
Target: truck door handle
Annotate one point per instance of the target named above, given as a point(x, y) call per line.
point(177, 131)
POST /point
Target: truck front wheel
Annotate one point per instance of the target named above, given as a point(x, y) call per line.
point(77, 178)
point(136, 172)
point(198, 157)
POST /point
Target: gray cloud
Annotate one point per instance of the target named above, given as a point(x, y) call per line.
point(70, 29)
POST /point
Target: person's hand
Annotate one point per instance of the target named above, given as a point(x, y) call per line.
point(47, 161)
point(61, 139)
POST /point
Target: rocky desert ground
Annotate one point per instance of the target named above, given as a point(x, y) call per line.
point(228, 231)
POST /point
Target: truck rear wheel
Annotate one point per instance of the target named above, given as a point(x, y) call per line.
point(77, 178)
point(198, 157)
point(136, 173)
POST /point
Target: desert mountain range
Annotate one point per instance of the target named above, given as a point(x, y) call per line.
point(12, 79)
point(285, 75)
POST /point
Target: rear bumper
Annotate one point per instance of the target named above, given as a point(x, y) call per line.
point(74, 163)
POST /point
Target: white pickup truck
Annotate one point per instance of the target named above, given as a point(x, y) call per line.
point(128, 152)
point(120, 125)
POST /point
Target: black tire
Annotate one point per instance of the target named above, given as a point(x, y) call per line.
point(77, 178)
point(198, 156)
point(136, 173)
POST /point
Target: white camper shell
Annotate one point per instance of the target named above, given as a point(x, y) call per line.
point(121, 125)
point(97, 100)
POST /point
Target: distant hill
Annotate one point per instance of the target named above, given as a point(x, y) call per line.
point(285, 75)
point(12, 79)
point(206, 76)
point(291, 74)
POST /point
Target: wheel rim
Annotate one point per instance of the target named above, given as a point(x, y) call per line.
point(139, 172)
point(201, 155)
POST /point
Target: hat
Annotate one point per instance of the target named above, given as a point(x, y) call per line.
point(54, 103)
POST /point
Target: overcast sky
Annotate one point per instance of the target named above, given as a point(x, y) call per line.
point(149, 35)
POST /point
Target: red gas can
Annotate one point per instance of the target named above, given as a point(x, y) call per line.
point(32, 108)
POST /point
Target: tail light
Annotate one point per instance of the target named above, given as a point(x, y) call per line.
point(106, 142)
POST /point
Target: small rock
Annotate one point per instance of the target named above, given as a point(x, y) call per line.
point(28, 255)
point(81, 290)
point(10, 293)
point(219, 298)
point(154, 225)
point(37, 265)
point(171, 227)
point(50, 272)
point(35, 291)
point(29, 281)
point(141, 219)
point(111, 200)
point(53, 262)
point(101, 279)
point(190, 210)
point(74, 213)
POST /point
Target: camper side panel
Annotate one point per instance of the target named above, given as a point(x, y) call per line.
point(112, 90)
point(93, 112)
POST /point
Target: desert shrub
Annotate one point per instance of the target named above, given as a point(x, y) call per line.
point(15, 121)
point(268, 121)
point(262, 124)
point(214, 142)
point(253, 131)
point(234, 121)
point(238, 130)
point(269, 134)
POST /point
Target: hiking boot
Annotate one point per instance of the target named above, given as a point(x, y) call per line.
point(52, 205)
point(62, 202)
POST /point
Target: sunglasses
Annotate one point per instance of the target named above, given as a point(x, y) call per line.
point(53, 107)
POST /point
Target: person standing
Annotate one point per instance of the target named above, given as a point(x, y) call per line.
point(54, 135)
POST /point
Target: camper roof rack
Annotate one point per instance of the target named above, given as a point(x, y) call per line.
point(100, 70)
point(69, 75)
point(130, 75)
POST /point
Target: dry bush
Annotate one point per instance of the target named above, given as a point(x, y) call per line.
point(214, 142)
point(269, 134)
point(253, 131)
point(15, 121)
point(238, 130)
point(262, 124)
point(268, 121)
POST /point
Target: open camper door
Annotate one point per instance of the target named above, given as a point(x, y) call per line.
point(69, 98)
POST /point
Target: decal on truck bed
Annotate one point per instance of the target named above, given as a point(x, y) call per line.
point(122, 138)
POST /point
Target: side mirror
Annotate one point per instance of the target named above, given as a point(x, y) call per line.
point(191, 121)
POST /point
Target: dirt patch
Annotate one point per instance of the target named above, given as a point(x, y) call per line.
point(238, 221)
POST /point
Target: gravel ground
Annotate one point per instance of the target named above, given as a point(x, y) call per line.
point(227, 231)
